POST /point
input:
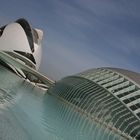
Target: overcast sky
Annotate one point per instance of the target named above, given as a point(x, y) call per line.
point(81, 34)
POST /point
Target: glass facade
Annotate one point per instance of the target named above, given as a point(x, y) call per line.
point(107, 98)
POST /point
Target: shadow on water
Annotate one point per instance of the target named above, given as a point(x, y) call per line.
point(27, 113)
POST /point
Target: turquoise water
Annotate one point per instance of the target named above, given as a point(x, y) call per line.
point(28, 113)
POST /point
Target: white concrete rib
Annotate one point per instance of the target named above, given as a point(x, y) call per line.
point(133, 94)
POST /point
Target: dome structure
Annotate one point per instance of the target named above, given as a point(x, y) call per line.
point(22, 41)
point(109, 97)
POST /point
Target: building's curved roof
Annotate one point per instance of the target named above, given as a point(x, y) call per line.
point(130, 74)
point(28, 30)
point(111, 96)
point(123, 84)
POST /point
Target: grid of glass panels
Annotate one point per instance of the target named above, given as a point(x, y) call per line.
point(122, 88)
point(98, 103)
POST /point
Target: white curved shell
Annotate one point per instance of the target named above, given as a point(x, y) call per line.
point(21, 40)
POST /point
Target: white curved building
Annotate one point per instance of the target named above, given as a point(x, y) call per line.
point(21, 51)
point(22, 41)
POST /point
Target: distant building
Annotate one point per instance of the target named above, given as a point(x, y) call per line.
point(110, 97)
point(20, 40)
point(21, 51)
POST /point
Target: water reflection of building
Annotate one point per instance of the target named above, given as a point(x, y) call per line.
point(108, 96)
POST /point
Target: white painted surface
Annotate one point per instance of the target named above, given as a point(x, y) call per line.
point(14, 38)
